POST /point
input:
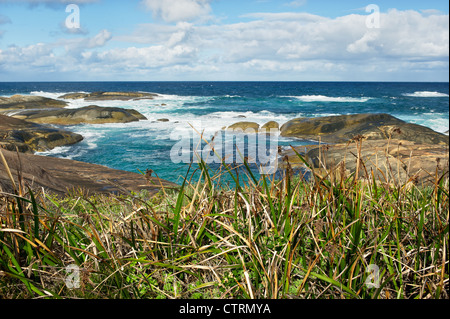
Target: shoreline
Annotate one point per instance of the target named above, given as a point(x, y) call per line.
point(342, 127)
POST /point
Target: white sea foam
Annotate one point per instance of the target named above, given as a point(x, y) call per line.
point(51, 95)
point(92, 134)
point(324, 98)
point(260, 117)
point(438, 122)
point(425, 94)
point(182, 98)
point(231, 96)
point(55, 151)
point(215, 121)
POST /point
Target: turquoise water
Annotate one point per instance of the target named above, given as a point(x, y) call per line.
point(210, 106)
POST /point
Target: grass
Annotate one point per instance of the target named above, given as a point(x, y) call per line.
point(262, 238)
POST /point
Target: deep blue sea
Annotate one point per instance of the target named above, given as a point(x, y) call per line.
point(210, 106)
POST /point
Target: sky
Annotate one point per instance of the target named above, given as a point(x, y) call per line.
point(224, 40)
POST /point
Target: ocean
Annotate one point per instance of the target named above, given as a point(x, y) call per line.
point(211, 106)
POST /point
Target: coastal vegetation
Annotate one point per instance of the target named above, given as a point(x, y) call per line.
point(334, 235)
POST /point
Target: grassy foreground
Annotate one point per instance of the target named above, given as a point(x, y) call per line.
point(332, 237)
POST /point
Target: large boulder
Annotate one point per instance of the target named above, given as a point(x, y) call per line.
point(19, 102)
point(107, 96)
point(249, 127)
point(270, 127)
point(342, 128)
point(31, 137)
point(393, 161)
point(89, 114)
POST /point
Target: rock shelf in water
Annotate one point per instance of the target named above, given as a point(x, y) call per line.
point(342, 128)
point(108, 96)
point(20, 102)
point(31, 137)
point(92, 114)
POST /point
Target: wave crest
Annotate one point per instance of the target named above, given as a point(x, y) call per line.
point(425, 94)
point(324, 98)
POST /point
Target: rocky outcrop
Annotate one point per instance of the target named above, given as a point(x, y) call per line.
point(393, 161)
point(270, 126)
point(92, 114)
point(73, 96)
point(340, 129)
point(251, 127)
point(108, 96)
point(30, 137)
point(62, 175)
point(20, 102)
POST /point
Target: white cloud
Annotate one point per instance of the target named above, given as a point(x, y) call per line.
point(99, 40)
point(366, 43)
point(149, 57)
point(32, 56)
point(284, 16)
point(403, 34)
point(63, 27)
point(408, 45)
point(55, 57)
point(428, 12)
point(178, 10)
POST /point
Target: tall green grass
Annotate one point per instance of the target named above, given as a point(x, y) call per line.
point(264, 238)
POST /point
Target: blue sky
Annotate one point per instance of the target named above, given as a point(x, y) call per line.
point(158, 40)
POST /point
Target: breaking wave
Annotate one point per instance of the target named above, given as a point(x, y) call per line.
point(324, 98)
point(425, 94)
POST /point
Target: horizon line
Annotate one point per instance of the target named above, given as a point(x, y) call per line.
point(228, 81)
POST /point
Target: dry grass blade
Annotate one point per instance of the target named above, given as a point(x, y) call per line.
point(8, 171)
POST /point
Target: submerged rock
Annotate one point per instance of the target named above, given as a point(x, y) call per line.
point(339, 129)
point(31, 137)
point(20, 102)
point(89, 114)
point(107, 96)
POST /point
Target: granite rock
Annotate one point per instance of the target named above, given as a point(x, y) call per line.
point(342, 128)
point(31, 137)
point(92, 114)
